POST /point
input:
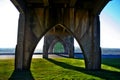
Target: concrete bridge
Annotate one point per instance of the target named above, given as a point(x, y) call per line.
point(59, 20)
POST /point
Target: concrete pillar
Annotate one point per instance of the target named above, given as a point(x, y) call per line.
point(30, 39)
point(45, 47)
point(71, 47)
point(69, 40)
point(20, 43)
point(24, 49)
point(91, 45)
point(45, 52)
point(96, 43)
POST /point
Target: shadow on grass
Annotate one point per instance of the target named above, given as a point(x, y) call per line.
point(104, 74)
point(114, 62)
point(21, 75)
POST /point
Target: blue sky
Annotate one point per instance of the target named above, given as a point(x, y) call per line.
point(110, 25)
point(109, 17)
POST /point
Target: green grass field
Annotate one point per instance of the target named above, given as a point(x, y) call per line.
point(64, 69)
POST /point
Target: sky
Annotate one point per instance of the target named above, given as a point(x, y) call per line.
point(110, 25)
point(109, 17)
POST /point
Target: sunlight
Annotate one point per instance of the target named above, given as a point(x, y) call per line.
point(110, 68)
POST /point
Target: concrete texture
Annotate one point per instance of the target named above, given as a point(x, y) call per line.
point(79, 17)
point(51, 39)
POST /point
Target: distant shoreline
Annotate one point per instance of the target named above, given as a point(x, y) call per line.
point(39, 55)
point(104, 51)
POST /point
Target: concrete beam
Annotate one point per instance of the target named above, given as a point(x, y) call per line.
point(72, 19)
point(99, 6)
point(46, 2)
point(72, 3)
point(20, 5)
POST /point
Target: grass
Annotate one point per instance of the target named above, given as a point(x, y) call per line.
point(65, 69)
point(6, 68)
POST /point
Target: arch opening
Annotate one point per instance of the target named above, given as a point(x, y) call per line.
point(58, 48)
point(52, 49)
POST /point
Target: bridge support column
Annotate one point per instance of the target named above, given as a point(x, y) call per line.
point(24, 49)
point(47, 43)
point(27, 41)
point(71, 55)
point(91, 45)
point(69, 40)
point(20, 43)
point(45, 48)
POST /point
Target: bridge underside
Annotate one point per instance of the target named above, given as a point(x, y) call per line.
point(79, 17)
point(58, 34)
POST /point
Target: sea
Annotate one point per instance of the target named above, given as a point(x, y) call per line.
point(106, 52)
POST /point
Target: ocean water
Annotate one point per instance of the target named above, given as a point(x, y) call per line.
point(105, 51)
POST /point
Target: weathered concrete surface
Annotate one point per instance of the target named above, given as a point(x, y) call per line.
point(51, 38)
point(79, 17)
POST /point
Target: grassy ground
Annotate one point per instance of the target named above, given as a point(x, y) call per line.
point(6, 68)
point(65, 69)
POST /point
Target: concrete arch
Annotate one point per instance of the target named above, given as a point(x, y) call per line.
point(53, 44)
point(73, 34)
point(81, 21)
point(32, 30)
point(69, 39)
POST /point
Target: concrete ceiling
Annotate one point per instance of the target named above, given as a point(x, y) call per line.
point(95, 5)
point(61, 3)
